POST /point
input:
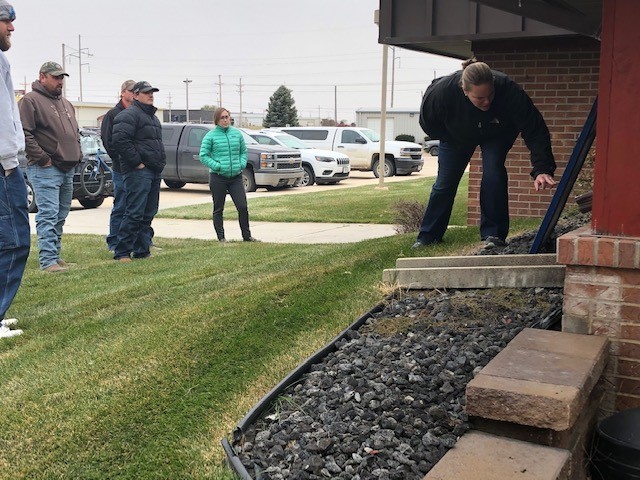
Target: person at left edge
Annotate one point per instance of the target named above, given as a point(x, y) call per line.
point(14, 216)
point(53, 151)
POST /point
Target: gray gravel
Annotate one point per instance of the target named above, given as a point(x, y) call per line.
point(389, 402)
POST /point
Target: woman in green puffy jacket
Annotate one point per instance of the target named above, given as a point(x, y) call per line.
point(223, 150)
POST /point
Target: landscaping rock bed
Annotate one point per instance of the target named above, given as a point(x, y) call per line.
point(389, 401)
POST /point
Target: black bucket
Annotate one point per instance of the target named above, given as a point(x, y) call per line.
point(616, 447)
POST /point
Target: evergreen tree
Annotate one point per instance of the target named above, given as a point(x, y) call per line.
point(282, 111)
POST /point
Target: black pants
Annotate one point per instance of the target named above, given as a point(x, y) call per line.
point(219, 186)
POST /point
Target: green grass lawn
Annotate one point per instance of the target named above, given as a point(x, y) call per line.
point(138, 370)
point(349, 205)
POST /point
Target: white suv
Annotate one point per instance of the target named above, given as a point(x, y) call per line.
point(320, 166)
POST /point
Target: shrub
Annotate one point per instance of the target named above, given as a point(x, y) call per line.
point(406, 138)
point(408, 216)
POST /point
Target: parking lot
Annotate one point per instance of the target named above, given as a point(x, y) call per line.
point(96, 221)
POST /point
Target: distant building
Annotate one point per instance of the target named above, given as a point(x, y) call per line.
point(90, 114)
point(398, 122)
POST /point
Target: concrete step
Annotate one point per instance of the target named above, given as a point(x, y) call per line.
point(476, 277)
point(479, 456)
point(477, 261)
point(476, 271)
point(542, 379)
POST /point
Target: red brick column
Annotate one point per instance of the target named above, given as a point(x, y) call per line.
point(561, 77)
point(602, 297)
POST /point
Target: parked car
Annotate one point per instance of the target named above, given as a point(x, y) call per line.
point(267, 166)
point(433, 147)
point(91, 144)
point(362, 146)
point(320, 166)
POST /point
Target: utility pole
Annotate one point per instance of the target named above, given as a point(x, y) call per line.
point(80, 65)
point(383, 119)
point(240, 114)
point(169, 103)
point(219, 90)
point(335, 102)
point(187, 82)
point(80, 62)
point(78, 53)
point(64, 84)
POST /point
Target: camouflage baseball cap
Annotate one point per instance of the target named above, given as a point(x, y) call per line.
point(6, 11)
point(53, 68)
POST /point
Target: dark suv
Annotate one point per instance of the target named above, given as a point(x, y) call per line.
point(90, 143)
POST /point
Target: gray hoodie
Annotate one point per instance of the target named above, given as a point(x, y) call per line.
point(50, 129)
point(11, 135)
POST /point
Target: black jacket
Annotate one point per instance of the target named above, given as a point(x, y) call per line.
point(137, 138)
point(106, 132)
point(447, 114)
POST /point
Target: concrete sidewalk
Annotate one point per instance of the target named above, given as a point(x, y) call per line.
point(96, 221)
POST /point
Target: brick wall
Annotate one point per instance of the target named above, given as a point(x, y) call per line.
point(561, 77)
point(602, 297)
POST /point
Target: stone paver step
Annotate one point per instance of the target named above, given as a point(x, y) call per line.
point(541, 379)
point(481, 456)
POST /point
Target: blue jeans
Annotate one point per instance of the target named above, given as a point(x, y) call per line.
point(494, 200)
point(117, 211)
point(142, 197)
point(53, 189)
point(14, 236)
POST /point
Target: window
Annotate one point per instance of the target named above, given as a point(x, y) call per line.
point(167, 135)
point(90, 144)
point(349, 136)
point(308, 134)
point(261, 139)
point(195, 137)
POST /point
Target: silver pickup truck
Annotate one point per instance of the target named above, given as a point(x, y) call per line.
point(267, 166)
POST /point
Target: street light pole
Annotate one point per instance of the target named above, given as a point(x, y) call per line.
point(187, 82)
point(393, 73)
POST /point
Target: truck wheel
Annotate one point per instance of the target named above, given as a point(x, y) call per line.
point(174, 183)
point(308, 178)
point(91, 202)
point(389, 168)
point(433, 151)
point(248, 180)
point(31, 197)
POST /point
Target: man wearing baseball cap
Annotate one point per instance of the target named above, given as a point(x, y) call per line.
point(14, 220)
point(137, 140)
point(53, 151)
point(106, 132)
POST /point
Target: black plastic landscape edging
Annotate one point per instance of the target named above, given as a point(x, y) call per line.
point(265, 402)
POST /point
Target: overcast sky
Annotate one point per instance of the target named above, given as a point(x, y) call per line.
point(310, 46)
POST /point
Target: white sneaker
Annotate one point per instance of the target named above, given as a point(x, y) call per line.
point(6, 333)
point(7, 322)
